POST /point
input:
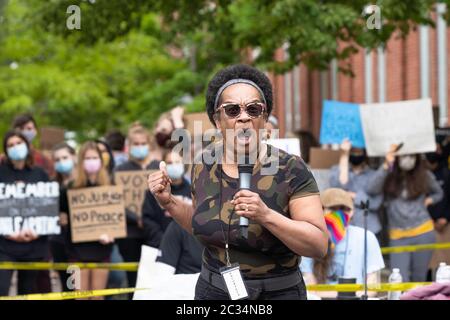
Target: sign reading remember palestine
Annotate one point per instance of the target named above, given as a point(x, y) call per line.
point(33, 206)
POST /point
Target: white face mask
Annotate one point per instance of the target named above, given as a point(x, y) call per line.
point(407, 163)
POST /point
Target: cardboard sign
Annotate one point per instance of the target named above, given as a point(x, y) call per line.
point(408, 122)
point(32, 206)
point(134, 186)
point(323, 158)
point(290, 145)
point(51, 136)
point(200, 117)
point(96, 211)
point(341, 120)
point(322, 177)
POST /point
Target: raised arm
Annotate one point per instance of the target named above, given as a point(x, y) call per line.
point(159, 185)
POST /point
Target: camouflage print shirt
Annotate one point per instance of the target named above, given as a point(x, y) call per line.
point(262, 254)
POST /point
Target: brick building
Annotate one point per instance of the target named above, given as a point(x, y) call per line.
point(411, 68)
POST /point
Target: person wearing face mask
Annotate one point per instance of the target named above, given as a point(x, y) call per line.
point(155, 218)
point(167, 123)
point(64, 158)
point(440, 211)
point(23, 246)
point(345, 257)
point(352, 174)
point(26, 124)
point(90, 172)
point(409, 189)
point(139, 159)
point(116, 140)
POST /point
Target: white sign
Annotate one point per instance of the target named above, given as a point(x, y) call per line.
point(290, 145)
point(157, 280)
point(408, 122)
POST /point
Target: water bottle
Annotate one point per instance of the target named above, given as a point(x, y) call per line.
point(395, 277)
point(443, 273)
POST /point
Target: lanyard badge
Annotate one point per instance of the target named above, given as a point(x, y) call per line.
point(232, 277)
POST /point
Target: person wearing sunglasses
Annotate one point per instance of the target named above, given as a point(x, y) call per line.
point(345, 257)
point(283, 208)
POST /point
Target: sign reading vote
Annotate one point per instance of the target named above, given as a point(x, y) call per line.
point(33, 206)
point(96, 211)
point(408, 122)
point(341, 120)
point(134, 186)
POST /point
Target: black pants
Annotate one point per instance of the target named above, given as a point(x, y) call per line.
point(130, 250)
point(59, 254)
point(26, 278)
point(205, 291)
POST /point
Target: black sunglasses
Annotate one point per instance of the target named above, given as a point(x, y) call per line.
point(234, 110)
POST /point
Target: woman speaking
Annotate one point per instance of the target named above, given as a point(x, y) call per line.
point(284, 209)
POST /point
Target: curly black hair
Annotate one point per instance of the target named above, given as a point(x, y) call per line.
point(238, 71)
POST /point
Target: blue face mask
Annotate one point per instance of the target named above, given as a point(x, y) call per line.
point(18, 152)
point(29, 134)
point(175, 170)
point(120, 158)
point(64, 166)
point(139, 152)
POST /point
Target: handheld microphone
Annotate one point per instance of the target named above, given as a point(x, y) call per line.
point(245, 177)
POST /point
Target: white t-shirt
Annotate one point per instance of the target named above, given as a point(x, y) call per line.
point(348, 260)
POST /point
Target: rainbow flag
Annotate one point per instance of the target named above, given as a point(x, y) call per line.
point(337, 222)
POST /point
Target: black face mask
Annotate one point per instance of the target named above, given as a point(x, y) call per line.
point(162, 139)
point(356, 160)
point(434, 157)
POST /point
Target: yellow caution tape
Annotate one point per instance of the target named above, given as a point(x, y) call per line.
point(72, 294)
point(382, 287)
point(133, 266)
point(123, 266)
point(405, 286)
point(419, 247)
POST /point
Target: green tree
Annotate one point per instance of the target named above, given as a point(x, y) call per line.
point(88, 86)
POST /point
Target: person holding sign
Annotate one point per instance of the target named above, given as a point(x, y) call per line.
point(90, 172)
point(353, 174)
point(139, 160)
point(285, 217)
point(408, 188)
point(155, 218)
point(23, 245)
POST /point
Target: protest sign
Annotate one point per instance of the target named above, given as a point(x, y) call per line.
point(96, 211)
point(32, 206)
point(323, 158)
point(408, 122)
point(134, 186)
point(51, 136)
point(341, 120)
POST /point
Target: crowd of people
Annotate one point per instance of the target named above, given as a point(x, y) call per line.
point(95, 164)
point(406, 197)
point(407, 202)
